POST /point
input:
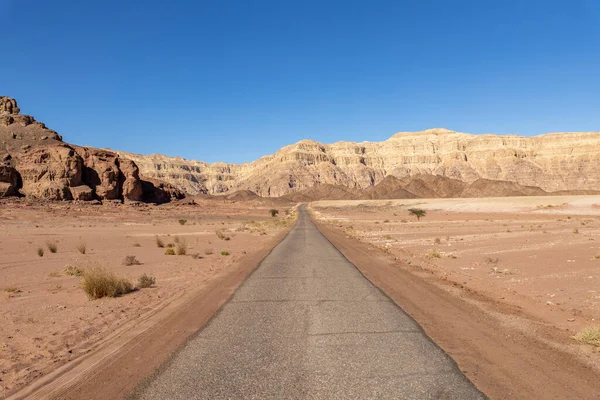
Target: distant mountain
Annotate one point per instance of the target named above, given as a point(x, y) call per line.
point(552, 162)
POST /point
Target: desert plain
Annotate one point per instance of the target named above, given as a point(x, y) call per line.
point(48, 321)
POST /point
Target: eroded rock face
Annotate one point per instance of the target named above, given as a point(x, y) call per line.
point(36, 163)
point(8, 106)
point(9, 180)
point(556, 161)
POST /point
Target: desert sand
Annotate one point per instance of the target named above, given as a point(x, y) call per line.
point(539, 254)
point(47, 319)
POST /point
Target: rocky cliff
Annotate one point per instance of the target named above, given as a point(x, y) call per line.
point(553, 162)
point(35, 162)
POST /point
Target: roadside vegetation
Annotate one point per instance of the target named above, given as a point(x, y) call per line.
point(417, 212)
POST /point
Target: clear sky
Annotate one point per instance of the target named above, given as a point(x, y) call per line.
point(232, 80)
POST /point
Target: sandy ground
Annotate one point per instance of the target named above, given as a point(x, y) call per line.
point(538, 254)
point(47, 319)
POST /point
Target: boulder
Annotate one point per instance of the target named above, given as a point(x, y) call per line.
point(9, 181)
point(132, 185)
point(82, 193)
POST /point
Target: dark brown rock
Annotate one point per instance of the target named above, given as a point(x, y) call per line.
point(9, 181)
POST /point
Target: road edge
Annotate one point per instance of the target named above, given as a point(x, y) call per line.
point(499, 373)
point(120, 371)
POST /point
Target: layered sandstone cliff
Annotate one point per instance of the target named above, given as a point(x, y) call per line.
point(553, 162)
point(35, 162)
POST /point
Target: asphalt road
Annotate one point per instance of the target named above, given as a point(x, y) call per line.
point(307, 325)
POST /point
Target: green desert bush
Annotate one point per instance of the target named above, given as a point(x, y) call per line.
point(169, 252)
point(417, 212)
point(224, 253)
point(98, 282)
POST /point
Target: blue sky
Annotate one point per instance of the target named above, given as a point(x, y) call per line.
point(227, 80)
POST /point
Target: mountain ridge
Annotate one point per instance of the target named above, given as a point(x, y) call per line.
point(553, 161)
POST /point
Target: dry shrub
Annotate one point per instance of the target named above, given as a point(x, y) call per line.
point(12, 289)
point(182, 221)
point(98, 282)
point(181, 248)
point(208, 252)
point(434, 254)
point(81, 247)
point(131, 260)
point(52, 246)
point(145, 281)
point(589, 335)
point(40, 252)
point(159, 242)
point(222, 236)
point(136, 244)
point(73, 270)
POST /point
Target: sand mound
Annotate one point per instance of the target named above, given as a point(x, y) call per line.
point(242, 195)
point(491, 188)
point(389, 188)
point(323, 192)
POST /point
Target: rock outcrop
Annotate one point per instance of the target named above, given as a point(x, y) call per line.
point(36, 163)
point(553, 162)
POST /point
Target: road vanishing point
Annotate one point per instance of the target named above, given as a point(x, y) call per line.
point(306, 324)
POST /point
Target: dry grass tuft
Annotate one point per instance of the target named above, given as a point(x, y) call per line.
point(98, 282)
point(437, 241)
point(434, 254)
point(498, 271)
point(12, 289)
point(490, 260)
point(136, 244)
point(169, 252)
point(52, 246)
point(145, 281)
point(73, 270)
point(131, 260)
point(222, 236)
point(208, 252)
point(81, 247)
point(181, 248)
point(589, 335)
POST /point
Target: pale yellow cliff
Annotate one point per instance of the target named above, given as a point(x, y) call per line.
point(555, 161)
